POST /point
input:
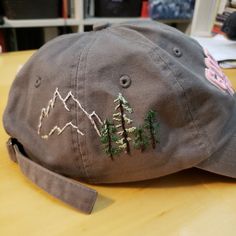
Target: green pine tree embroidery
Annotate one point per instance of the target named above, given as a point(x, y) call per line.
point(152, 127)
point(108, 138)
point(140, 139)
point(121, 117)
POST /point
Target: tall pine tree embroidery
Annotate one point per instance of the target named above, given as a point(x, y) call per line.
point(140, 139)
point(152, 127)
point(108, 138)
point(121, 118)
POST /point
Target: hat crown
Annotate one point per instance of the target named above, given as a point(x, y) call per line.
point(71, 86)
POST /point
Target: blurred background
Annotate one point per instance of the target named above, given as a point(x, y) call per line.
point(27, 24)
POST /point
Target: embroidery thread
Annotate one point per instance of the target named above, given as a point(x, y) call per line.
point(116, 136)
point(152, 127)
point(46, 111)
point(140, 139)
point(123, 121)
point(109, 138)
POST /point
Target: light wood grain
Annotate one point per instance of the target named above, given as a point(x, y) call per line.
point(190, 203)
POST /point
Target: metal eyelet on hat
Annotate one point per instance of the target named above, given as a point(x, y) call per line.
point(177, 52)
point(37, 82)
point(125, 81)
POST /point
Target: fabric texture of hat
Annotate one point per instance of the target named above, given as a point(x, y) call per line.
point(125, 102)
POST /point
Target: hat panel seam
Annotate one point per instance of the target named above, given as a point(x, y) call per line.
point(143, 43)
point(78, 141)
point(193, 127)
point(187, 104)
point(163, 29)
point(74, 136)
point(181, 34)
point(96, 37)
point(147, 42)
point(83, 144)
point(202, 131)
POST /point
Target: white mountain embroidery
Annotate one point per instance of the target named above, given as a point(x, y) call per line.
point(46, 111)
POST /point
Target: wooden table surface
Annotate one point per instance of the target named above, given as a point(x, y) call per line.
point(189, 203)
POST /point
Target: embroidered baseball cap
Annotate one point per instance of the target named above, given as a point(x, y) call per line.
point(125, 102)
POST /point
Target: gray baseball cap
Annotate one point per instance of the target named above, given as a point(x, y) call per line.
point(125, 102)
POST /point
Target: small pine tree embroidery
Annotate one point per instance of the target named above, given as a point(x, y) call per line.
point(140, 139)
point(108, 138)
point(123, 121)
point(152, 127)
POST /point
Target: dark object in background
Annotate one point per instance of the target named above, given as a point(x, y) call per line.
point(64, 30)
point(171, 9)
point(1, 20)
point(23, 38)
point(229, 26)
point(1, 14)
point(29, 38)
point(88, 28)
point(118, 8)
point(28, 9)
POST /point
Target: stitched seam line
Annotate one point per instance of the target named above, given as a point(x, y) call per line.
point(195, 126)
point(187, 105)
point(88, 163)
point(63, 178)
point(83, 157)
point(145, 45)
point(77, 110)
point(165, 28)
point(75, 143)
point(70, 182)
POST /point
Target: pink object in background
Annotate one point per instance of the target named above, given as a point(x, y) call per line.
point(215, 75)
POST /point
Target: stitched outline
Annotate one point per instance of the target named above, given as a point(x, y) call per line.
point(46, 111)
point(153, 49)
point(61, 130)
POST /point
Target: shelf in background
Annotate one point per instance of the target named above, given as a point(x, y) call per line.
point(75, 22)
point(94, 20)
point(38, 23)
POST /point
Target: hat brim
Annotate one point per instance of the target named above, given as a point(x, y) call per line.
point(222, 162)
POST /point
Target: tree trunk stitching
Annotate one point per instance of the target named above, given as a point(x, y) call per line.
point(123, 127)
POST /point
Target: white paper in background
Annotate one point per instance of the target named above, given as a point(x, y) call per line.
point(219, 46)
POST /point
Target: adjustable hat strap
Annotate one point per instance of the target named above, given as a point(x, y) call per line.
point(63, 188)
